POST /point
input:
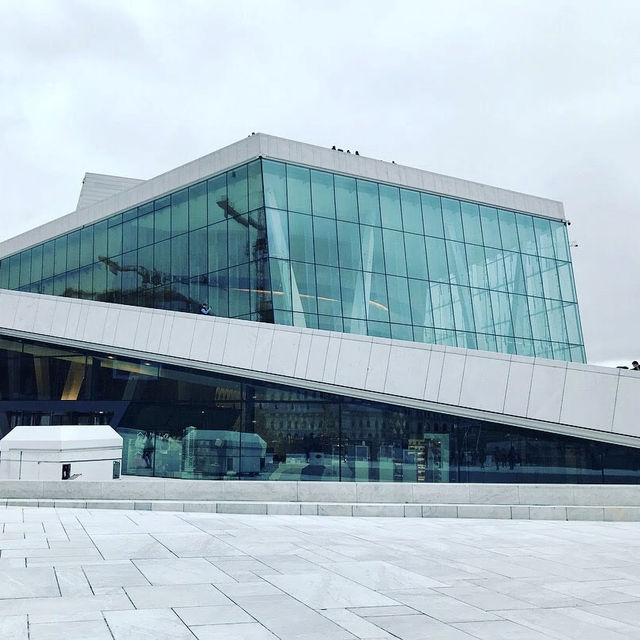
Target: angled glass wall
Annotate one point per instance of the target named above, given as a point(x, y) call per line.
point(353, 255)
point(184, 423)
point(276, 242)
point(201, 244)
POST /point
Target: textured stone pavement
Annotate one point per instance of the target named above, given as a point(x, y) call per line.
point(82, 574)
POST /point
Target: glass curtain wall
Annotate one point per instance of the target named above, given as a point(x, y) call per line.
point(184, 423)
point(357, 256)
point(202, 244)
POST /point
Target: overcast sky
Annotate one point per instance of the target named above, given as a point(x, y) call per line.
point(539, 96)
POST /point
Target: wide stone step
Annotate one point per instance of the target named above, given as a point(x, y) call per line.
point(609, 513)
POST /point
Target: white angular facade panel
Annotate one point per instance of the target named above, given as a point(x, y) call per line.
point(547, 391)
point(516, 399)
point(407, 371)
point(378, 365)
point(331, 361)
point(434, 375)
point(589, 398)
point(627, 409)
point(484, 384)
point(317, 357)
point(240, 345)
point(451, 379)
point(263, 348)
point(284, 353)
point(353, 362)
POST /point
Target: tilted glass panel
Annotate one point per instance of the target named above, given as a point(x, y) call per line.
point(525, 347)
point(4, 273)
point(129, 235)
point(501, 313)
point(48, 252)
point(238, 240)
point(330, 323)
point(452, 219)
point(466, 340)
point(368, 202)
point(299, 189)
point(411, 211)
point(432, 215)
point(254, 177)
point(375, 291)
point(278, 233)
point(325, 241)
point(86, 245)
point(239, 291)
point(216, 198)
point(560, 240)
point(180, 258)
point(24, 260)
point(399, 307)
point(390, 207)
point(456, 256)
point(514, 272)
point(36, 264)
point(495, 269)
point(544, 239)
point(477, 264)
point(539, 324)
point(275, 184)
point(437, 260)
point(550, 283)
point(442, 306)
point(533, 278)
point(372, 253)
point(349, 250)
point(99, 240)
point(60, 262)
point(328, 288)
point(198, 206)
point(300, 238)
point(520, 316)
point(237, 191)
point(145, 230)
point(129, 278)
point(394, 256)
point(322, 194)
point(162, 224)
point(420, 298)
point(471, 222)
point(346, 200)
point(506, 344)
point(486, 342)
point(86, 282)
point(508, 230)
point(198, 253)
point(482, 312)
point(565, 275)
point(303, 288)
point(557, 326)
point(352, 286)
point(219, 292)
point(490, 227)
point(462, 309)
point(179, 212)
point(217, 250)
point(572, 319)
point(162, 259)
point(99, 281)
point(73, 250)
point(416, 256)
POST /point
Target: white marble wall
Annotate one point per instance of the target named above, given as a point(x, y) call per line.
point(597, 402)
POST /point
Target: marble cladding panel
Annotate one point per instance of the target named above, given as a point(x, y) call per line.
point(627, 408)
point(263, 348)
point(353, 362)
point(284, 351)
point(451, 380)
point(545, 397)
point(407, 371)
point(484, 383)
point(516, 400)
point(378, 365)
point(317, 357)
point(589, 399)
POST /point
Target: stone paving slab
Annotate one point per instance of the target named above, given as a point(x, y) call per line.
point(135, 575)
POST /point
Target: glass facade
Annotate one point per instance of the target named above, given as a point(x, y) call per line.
point(277, 242)
point(190, 424)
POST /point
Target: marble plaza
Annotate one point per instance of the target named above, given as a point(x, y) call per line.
point(102, 574)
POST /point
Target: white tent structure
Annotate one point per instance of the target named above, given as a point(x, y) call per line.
point(61, 452)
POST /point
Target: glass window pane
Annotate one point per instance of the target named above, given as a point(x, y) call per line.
point(346, 201)
point(520, 316)
point(352, 285)
point(399, 308)
point(25, 267)
point(237, 194)
point(217, 198)
point(557, 326)
point(254, 176)
point(508, 230)
point(129, 235)
point(390, 207)
point(5, 265)
point(275, 184)
point(565, 275)
point(36, 263)
point(482, 312)
point(180, 257)
point(550, 283)
point(60, 262)
point(411, 211)
point(437, 260)
point(574, 334)
point(532, 275)
point(526, 234)
point(278, 234)
point(145, 230)
point(349, 245)
point(218, 246)
point(322, 195)
point(462, 309)
point(514, 271)
point(442, 306)
point(456, 256)
point(501, 313)
point(368, 202)
point(162, 259)
point(420, 298)
point(99, 281)
point(179, 212)
point(198, 253)
point(477, 265)
point(432, 215)
point(372, 254)
point(303, 287)
point(238, 240)
point(378, 329)
point(416, 256)
point(538, 314)
point(300, 238)
point(325, 242)
point(490, 227)
point(394, 252)
point(560, 240)
point(239, 291)
point(198, 206)
point(375, 291)
point(471, 222)
point(86, 245)
point(219, 292)
point(495, 269)
point(328, 289)
point(452, 219)
point(99, 240)
point(544, 239)
point(86, 282)
point(299, 189)
point(73, 250)
point(48, 250)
